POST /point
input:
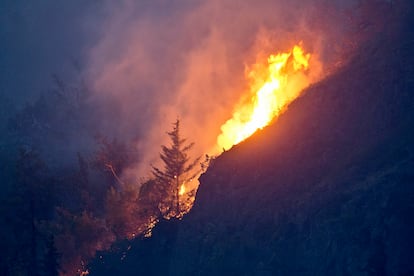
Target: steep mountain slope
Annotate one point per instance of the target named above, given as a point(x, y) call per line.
point(326, 190)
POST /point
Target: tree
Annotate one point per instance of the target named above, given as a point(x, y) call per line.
point(50, 263)
point(122, 211)
point(33, 201)
point(77, 237)
point(177, 170)
point(113, 157)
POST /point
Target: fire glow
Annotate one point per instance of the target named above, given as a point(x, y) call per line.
point(272, 87)
point(182, 190)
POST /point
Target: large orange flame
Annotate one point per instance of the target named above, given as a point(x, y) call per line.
point(273, 85)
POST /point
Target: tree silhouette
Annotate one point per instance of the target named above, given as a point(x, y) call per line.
point(33, 202)
point(51, 259)
point(177, 170)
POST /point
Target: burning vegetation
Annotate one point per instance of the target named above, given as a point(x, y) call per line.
point(177, 174)
point(72, 211)
point(273, 86)
point(123, 209)
point(118, 208)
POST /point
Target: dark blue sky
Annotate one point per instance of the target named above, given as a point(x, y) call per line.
point(40, 38)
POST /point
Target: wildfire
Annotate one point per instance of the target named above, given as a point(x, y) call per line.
point(273, 86)
point(182, 190)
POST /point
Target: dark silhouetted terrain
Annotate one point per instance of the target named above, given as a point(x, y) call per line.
point(326, 190)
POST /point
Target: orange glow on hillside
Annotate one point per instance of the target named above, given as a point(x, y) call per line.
point(273, 86)
point(182, 190)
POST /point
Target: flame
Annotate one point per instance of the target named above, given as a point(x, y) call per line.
point(182, 190)
point(273, 85)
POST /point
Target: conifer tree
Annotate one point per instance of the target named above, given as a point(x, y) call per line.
point(178, 169)
point(51, 259)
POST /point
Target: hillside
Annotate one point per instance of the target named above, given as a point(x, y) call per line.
point(326, 190)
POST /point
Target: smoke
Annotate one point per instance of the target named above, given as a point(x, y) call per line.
point(161, 60)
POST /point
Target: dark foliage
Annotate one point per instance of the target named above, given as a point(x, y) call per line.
point(113, 157)
point(51, 259)
point(31, 201)
point(83, 203)
point(327, 190)
point(177, 171)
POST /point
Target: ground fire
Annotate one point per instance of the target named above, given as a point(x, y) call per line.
point(273, 85)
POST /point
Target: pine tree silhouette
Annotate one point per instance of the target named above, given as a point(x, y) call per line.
point(177, 170)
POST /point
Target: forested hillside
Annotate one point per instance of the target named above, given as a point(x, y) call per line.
point(325, 190)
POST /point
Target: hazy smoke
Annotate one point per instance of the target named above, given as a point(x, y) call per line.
point(159, 60)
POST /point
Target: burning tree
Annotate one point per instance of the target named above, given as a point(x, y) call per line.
point(177, 171)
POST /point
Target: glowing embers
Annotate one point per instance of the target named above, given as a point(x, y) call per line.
point(273, 85)
point(182, 190)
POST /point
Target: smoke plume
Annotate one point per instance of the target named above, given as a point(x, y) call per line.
point(161, 60)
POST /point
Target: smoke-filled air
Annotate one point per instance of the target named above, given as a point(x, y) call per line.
point(202, 61)
point(158, 90)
